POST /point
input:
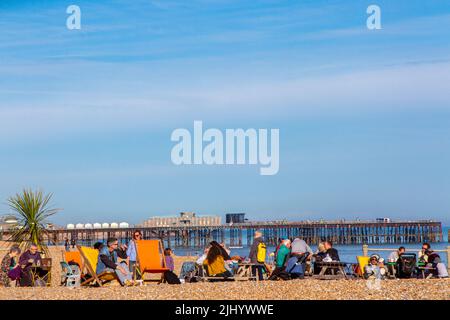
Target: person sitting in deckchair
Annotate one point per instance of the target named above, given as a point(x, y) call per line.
point(108, 261)
point(375, 268)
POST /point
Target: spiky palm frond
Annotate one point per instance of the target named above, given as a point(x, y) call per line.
point(31, 210)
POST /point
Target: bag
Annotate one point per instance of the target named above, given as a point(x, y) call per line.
point(261, 253)
point(171, 278)
point(14, 274)
point(294, 267)
point(280, 273)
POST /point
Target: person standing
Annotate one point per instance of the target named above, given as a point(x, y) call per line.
point(257, 254)
point(132, 254)
point(66, 245)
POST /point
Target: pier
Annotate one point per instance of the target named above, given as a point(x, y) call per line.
point(241, 234)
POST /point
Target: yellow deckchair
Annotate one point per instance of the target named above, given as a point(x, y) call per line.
point(90, 258)
point(363, 261)
point(150, 257)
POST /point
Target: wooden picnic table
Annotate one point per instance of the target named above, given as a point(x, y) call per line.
point(336, 268)
point(423, 269)
point(244, 271)
point(41, 272)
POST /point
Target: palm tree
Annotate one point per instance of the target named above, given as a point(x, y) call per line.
point(31, 210)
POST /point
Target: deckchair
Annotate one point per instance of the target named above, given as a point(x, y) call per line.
point(74, 257)
point(363, 261)
point(70, 275)
point(71, 257)
point(90, 257)
point(150, 257)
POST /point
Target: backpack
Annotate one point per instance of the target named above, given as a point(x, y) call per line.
point(294, 267)
point(171, 278)
point(261, 252)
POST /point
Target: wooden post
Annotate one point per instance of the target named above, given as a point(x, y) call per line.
point(448, 259)
point(365, 249)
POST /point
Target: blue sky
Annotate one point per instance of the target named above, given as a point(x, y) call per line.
point(364, 115)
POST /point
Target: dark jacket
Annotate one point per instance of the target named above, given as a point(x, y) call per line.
point(333, 253)
point(27, 255)
point(254, 250)
point(107, 259)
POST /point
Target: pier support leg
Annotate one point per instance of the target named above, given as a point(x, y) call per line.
point(448, 259)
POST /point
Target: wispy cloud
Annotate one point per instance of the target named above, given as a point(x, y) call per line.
point(418, 86)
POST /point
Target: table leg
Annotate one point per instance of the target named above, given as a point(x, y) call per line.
point(322, 271)
point(343, 272)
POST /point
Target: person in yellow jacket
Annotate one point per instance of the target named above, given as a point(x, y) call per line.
point(257, 254)
point(215, 263)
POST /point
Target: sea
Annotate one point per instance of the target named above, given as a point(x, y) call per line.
point(347, 253)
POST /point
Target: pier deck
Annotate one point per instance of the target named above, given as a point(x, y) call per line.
point(341, 232)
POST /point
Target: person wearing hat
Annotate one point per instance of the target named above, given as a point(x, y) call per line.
point(375, 268)
point(258, 266)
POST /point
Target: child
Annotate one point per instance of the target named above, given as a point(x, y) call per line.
point(169, 259)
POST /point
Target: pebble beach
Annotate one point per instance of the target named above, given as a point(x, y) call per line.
point(306, 289)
